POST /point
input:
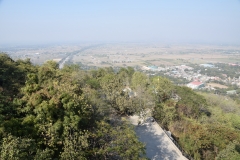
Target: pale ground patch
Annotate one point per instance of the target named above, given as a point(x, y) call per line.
point(217, 85)
point(129, 54)
point(158, 144)
point(57, 59)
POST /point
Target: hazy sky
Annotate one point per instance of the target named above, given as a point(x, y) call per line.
point(165, 21)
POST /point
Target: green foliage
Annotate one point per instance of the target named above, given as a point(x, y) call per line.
point(113, 86)
point(93, 83)
point(165, 113)
point(68, 68)
point(231, 152)
point(45, 154)
point(129, 71)
point(116, 141)
point(139, 80)
point(190, 103)
point(235, 120)
point(14, 148)
point(162, 88)
point(226, 104)
point(50, 104)
point(13, 74)
point(52, 113)
point(74, 143)
point(205, 141)
point(203, 127)
point(224, 111)
point(47, 71)
point(48, 113)
point(12, 77)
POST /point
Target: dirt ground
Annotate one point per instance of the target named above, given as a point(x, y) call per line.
point(131, 54)
point(217, 85)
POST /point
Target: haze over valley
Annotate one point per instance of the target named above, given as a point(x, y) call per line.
point(120, 80)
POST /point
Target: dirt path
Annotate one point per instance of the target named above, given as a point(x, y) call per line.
point(158, 144)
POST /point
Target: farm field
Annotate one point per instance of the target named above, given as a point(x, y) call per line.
point(217, 85)
point(133, 54)
point(105, 55)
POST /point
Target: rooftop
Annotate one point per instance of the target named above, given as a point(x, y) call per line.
point(196, 83)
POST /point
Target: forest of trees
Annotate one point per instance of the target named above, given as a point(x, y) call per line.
point(70, 113)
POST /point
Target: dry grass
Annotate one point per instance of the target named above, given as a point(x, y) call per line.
point(154, 55)
point(134, 54)
point(217, 85)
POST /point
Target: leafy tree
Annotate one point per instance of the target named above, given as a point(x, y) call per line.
point(231, 152)
point(162, 88)
point(48, 113)
point(144, 98)
point(118, 93)
point(47, 71)
point(190, 104)
point(12, 78)
point(53, 104)
point(129, 71)
point(17, 148)
point(74, 145)
point(115, 142)
point(139, 80)
point(165, 113)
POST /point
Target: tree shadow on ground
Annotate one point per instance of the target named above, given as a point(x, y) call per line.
point(237, 148)
point(158, 146)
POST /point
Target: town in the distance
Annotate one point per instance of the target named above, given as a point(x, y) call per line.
point(120, 101)
point(211, 68)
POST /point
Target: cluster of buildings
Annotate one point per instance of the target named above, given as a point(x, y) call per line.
point(195, 78)
point(195, 85)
